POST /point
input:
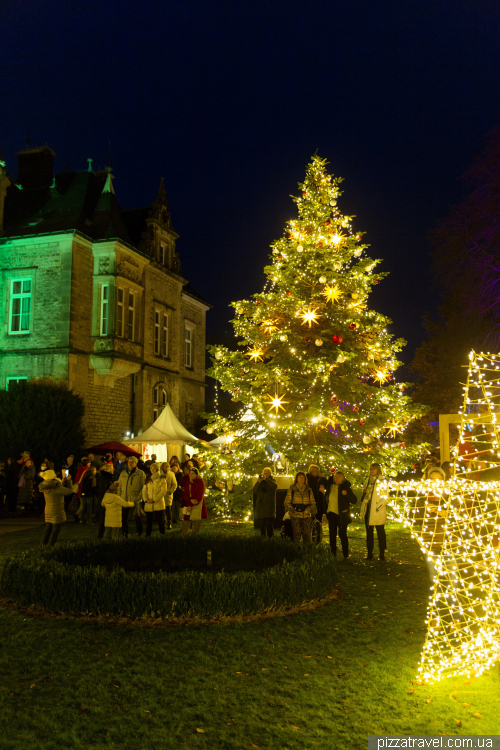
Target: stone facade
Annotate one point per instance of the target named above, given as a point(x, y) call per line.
point(104, 310)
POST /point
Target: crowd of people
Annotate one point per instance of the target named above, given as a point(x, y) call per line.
point(109, 492)
point(115, 490)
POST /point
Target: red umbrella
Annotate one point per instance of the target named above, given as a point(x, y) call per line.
point(100, 450)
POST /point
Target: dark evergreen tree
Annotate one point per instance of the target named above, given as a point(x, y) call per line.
point(42, 417)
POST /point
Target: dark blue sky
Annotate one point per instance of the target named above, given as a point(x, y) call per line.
point(229, 99)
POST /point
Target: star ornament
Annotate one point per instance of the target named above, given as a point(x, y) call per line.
point(332, 293)
point(337, 238)
point(393, 428)
point(256, 354)
point(381, 376)
point(310, 317)
point(269, 326)
point(276, 402)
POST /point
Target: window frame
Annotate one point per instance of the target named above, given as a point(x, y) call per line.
point(120, 306)
point(164, 336)
point(20, 296)
point(156, 333)
point(104, 318)
point(188, 340)
point(14, 379)
point(163, 253)
point(131, 321)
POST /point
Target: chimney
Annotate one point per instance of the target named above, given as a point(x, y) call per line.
point(35, 167)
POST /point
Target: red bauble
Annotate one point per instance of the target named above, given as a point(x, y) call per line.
point(358, 237)
point(288, 294)
point(353, 326)
point(320, 244)
point(362, 421)
point(327, 223)
point(236, 390)
point(257, 302)
point(307, 339)
point(285, 370)
point(403, 388)
point(403, 445)
point(280, 256)
point(355, 408)
point(377, 281)
point(304, 193)
point(334, 399)
point(332, 469)
point(337, 339)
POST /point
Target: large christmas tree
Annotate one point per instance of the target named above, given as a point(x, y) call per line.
point(313, 367)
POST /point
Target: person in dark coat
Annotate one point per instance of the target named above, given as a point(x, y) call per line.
point(87, 498)
point(12, 483)
point(317, 483)
point(176, 499)
point(26, 477)
point(264, 495)
point(339, 497)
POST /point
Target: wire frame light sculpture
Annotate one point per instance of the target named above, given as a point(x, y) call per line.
point(457, 525)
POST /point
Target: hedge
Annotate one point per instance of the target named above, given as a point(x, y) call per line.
point(87, 578)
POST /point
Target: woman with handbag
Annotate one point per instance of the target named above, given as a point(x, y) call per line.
point(193, 502)
point(301, 506)
point(374, 512)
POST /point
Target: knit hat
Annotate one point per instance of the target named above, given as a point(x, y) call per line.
point(49, 474)
point(108, 467)
point(437, 469)
point(27, 454)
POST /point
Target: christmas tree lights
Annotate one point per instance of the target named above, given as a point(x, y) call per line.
point(310, 336)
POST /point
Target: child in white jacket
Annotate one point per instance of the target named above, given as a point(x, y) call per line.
point(113, 505)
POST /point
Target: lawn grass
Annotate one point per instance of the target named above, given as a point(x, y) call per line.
point(321, 679)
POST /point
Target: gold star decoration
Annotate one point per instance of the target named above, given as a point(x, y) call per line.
point(256, 354)
point(381, 376)
point(310, 317)
point(332, 293)
point(393, 428)
point(337, 238)
point(276, 402)
point(269, 326)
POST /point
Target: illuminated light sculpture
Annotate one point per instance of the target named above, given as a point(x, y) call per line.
point(393, 428)
point(270, 326)
point(380, 376)
point(457, 525)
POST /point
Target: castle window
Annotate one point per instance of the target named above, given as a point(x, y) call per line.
point(131, 316)
point(188, 346)
point(15, 379)
point(119, 313)
point(164, 337)
point(104, 309)
point(162, 254)
point(157, 331)
point(20, 306)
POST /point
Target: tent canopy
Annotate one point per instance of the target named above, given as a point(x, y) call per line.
point(166, 429)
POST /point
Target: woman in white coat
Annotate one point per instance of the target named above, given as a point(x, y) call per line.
point(373, 512)
point(153, 494)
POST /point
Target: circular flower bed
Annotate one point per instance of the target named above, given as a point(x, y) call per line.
point(170, 576)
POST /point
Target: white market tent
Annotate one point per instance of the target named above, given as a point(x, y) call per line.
point(166, 437)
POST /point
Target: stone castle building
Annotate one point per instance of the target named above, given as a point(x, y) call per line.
point(95, 296)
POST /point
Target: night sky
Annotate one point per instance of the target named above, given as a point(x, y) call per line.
point(228, 101)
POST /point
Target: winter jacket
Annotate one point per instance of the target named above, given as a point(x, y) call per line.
point(104, 481)
point(89, 485)
point(131, 484)
point(171, 485)
point(302, 499)
point(24, 496)
point(378, 503)
point(264, 494)
point(79, 477)
point(178, 492)
point(315, 483)
point(193, 494)
point(345, 501)
point(54, 493)
point(113, 505)
point(155, 491)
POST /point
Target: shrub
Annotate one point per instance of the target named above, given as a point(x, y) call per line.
point(89, 578)
point(41, 417)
